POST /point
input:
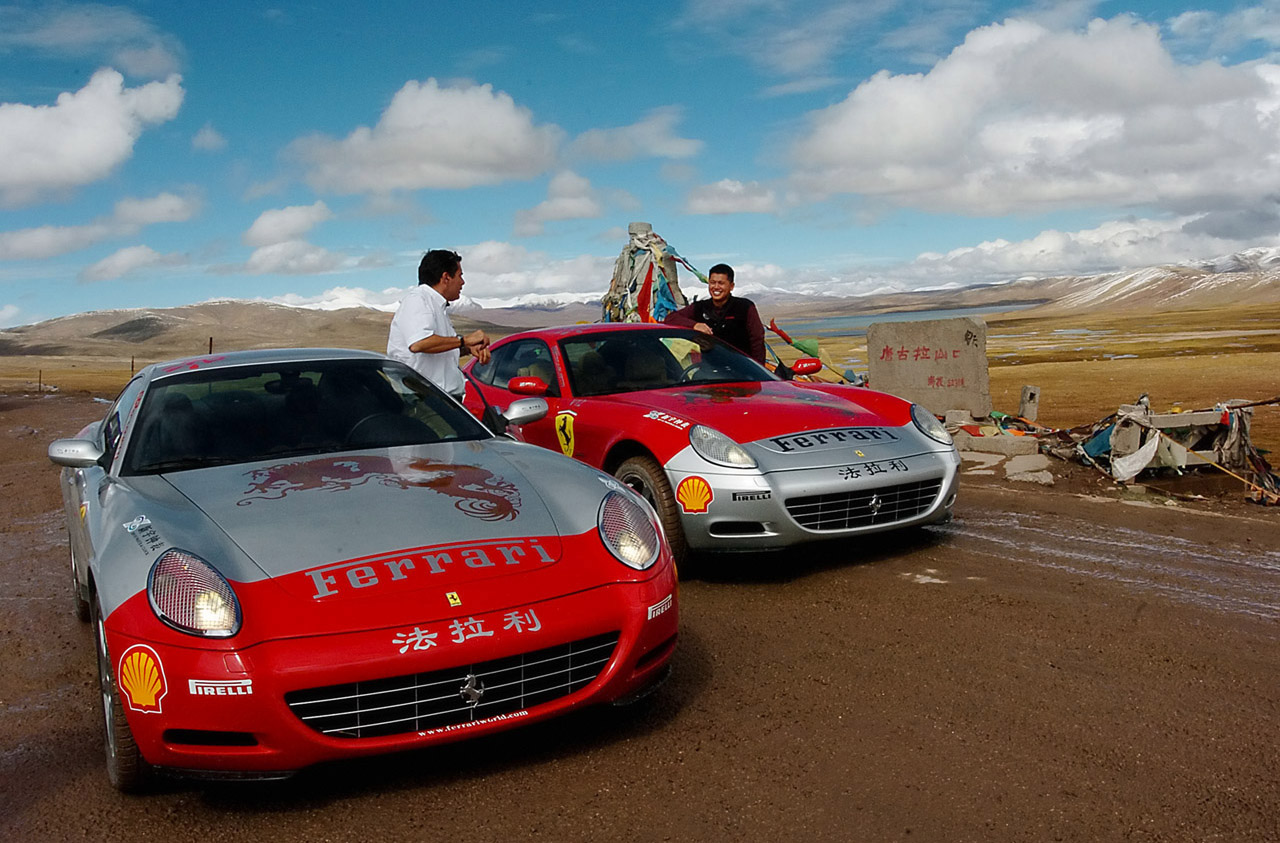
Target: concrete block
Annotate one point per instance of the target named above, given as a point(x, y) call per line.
point(958, 417)
point(1009, 446)
point(1024, 463)
point(1029, 405)
point(1042, 478)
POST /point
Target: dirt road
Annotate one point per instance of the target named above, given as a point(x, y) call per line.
point(1047, 667)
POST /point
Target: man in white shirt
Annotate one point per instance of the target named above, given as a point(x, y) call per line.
point(422, 335)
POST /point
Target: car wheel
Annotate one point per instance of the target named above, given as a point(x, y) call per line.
point(126, 768)
point(646, 478)
point(79, 606)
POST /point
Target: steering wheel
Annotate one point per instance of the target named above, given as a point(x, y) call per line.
point(686, 374)
point(366, 422)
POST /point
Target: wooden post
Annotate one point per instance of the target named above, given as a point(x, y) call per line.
point(211, 345)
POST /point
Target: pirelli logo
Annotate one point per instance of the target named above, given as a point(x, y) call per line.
point(660, 607)
point(220, 688)
point(835, 438)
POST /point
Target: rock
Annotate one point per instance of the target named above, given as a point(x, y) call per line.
point(1043, 478)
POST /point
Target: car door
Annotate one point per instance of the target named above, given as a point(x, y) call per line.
point(525, 358)
point(81, 487)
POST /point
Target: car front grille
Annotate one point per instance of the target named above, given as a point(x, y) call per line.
point(419, 701)
point(865, 507)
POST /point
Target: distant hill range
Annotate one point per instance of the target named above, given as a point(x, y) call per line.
point(1251, 277)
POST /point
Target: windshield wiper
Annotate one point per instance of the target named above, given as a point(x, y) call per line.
point(184, 464)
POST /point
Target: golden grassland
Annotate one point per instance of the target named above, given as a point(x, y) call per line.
point(1085, 364)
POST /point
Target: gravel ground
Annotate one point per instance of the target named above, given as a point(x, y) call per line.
point(1057, 663)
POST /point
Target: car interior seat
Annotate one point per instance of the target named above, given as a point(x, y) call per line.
point(543, 370)
point(644, 368)
point(592, 375)
point(175, 433)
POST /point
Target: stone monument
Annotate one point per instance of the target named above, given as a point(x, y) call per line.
point(940, 364)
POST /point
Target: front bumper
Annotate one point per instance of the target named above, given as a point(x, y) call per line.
point(236, 713)
point(752, 510)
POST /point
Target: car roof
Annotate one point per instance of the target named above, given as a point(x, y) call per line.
point(562, 331)
point(260, 356)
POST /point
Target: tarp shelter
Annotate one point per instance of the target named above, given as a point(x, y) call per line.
point(644, 287)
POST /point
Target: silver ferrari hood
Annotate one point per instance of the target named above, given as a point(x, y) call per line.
point(296, 514)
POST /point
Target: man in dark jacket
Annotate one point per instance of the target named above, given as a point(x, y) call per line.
point(724, 315)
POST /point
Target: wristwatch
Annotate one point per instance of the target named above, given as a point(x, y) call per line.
point(462, 344)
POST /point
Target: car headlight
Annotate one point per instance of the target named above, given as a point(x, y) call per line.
point(713, 446)
point(929, 425)
point(190, 596)
point(628, 530)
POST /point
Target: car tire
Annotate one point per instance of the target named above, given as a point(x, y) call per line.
point(645, 477)
point(79, 606)
point(127, 770)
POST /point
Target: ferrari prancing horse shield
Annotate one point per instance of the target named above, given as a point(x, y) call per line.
point(564, 431)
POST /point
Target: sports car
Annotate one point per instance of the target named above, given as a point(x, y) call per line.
point(730, 455)
point(295, 556)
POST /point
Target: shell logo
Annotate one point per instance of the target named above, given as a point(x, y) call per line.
point(142, 679)
point(694, 494)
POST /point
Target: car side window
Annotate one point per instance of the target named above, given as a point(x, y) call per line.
point(483, 372)
point(524, 358)
point(119, 418)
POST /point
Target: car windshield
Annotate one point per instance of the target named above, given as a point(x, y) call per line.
point(630, 361)
point(243, 414)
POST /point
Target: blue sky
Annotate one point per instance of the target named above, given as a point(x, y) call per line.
point(154, 154)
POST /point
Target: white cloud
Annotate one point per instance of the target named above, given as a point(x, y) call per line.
point(795, 39)
point(1022, 118)
point(293, 257)
point(569, 197)
point(1226, 32)
point(433, 136)
point(48, 241)
point(9, 315)
point(729, 196)
point(127, 218)
point(1115, 245)
point(652, 137)
point(498, 271)
point(286, 224)
point(132, 214)
point(799, 86)
point(208, 139)
point(81, 139)
point(100, 33)
point(336, 298)
point(1118, 244)
point(128, 261)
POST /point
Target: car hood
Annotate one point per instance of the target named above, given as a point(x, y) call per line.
point(747, 412)
point(318, 511)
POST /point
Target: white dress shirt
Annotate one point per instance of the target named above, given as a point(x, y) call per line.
point(421, 315)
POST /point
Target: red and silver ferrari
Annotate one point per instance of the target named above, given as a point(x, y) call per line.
point(731, 456)
point(296, 556)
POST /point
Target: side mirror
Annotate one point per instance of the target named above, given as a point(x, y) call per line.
point(807, 366)
point(75, 453)
point(528, 385)
point(525, 410)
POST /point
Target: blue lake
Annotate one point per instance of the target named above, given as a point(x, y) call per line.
point(856, 326)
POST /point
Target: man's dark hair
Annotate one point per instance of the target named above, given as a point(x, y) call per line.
point(435, 263)
point(721, 269)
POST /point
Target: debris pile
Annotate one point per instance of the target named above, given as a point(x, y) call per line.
point(1134, 439)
